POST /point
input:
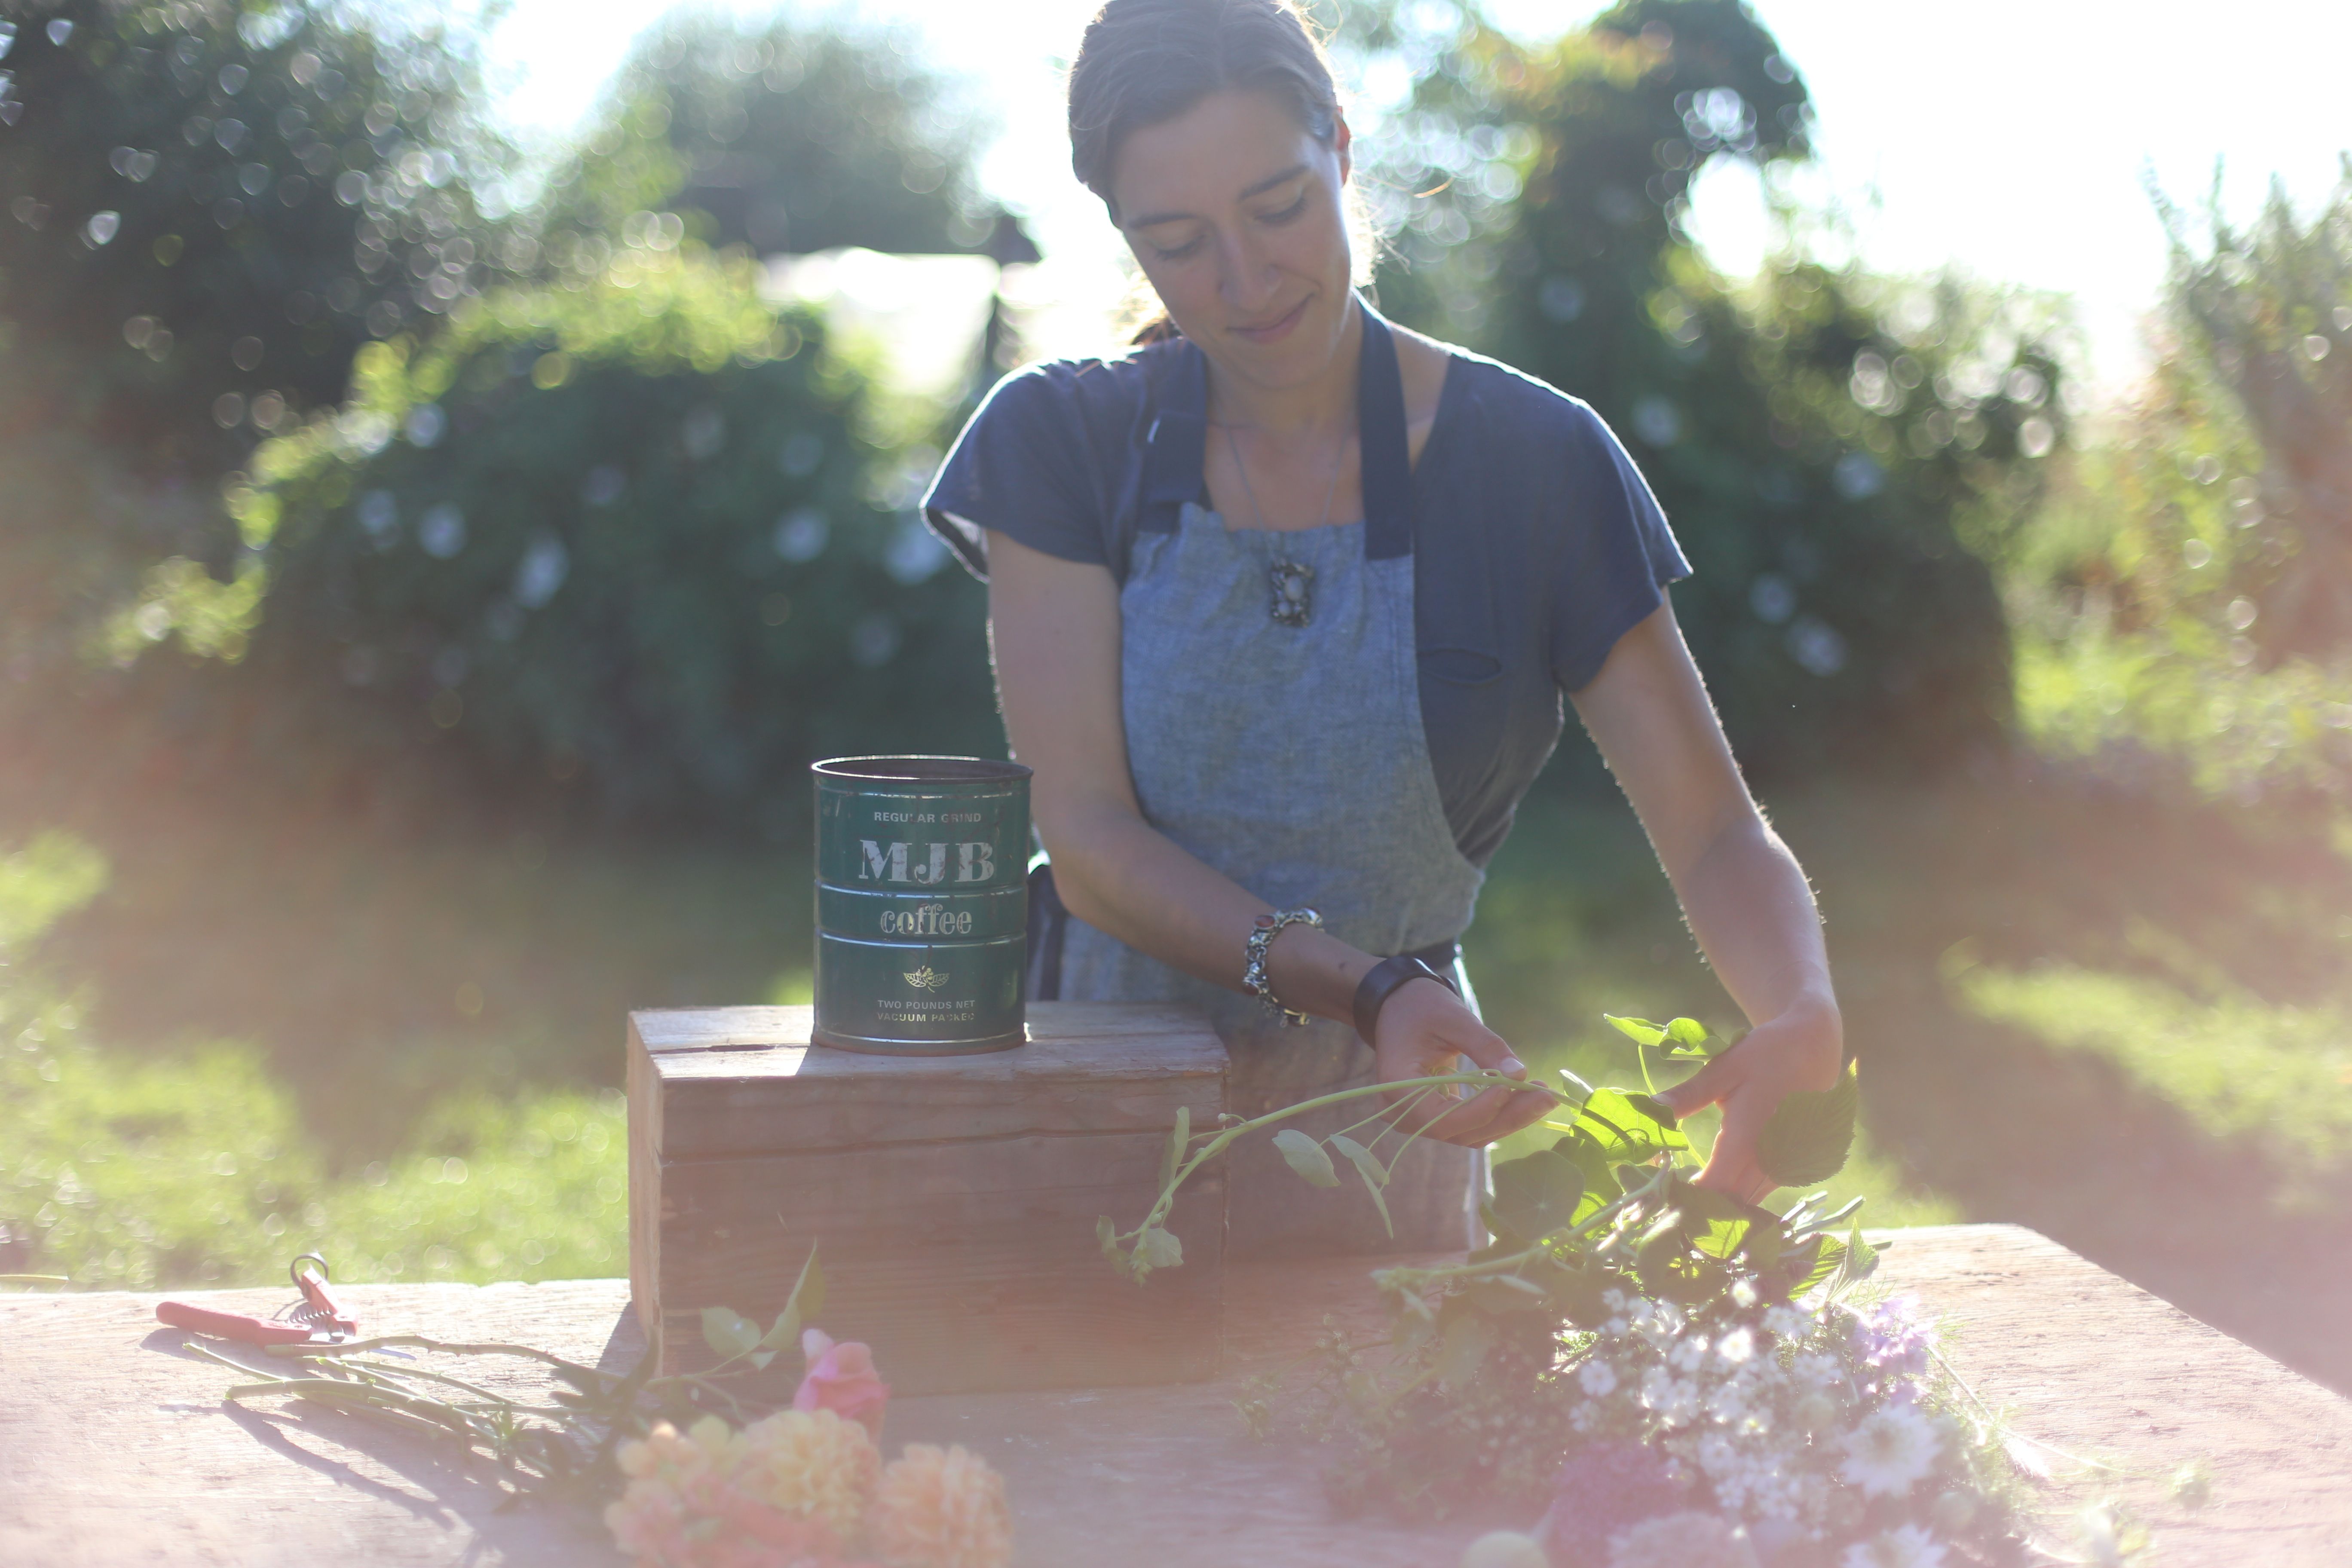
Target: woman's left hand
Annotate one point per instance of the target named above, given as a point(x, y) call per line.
point(1800, 1048)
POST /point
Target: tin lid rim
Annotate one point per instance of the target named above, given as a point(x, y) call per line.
point(919, 769)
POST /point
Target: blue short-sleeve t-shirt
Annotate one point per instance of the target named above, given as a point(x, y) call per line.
point(1537, 544)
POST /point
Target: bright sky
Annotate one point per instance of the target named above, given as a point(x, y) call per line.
point(2008, 138)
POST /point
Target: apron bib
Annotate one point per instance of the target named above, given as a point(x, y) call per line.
point(1293, 760)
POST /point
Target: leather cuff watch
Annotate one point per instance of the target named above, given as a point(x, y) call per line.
point(1381, 981)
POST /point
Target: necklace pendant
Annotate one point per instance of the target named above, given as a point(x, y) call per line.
point(1293, 591)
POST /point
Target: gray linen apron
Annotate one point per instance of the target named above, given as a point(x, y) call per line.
point(1293, 760)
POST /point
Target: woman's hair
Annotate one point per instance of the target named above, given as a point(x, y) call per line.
point(1145, 62)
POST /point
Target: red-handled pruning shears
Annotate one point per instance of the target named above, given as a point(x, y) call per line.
point(319, 1320)
point(322, 1307)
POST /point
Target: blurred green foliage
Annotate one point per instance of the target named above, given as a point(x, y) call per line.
point(776, 136)
point(2184, 605)
point(1827, 443)
point(133, 1170)
point(207, 211)
point(646, 532)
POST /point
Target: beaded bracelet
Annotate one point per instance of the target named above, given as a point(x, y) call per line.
point(1261, 938)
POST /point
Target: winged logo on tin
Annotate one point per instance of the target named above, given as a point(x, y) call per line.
point(924, 979)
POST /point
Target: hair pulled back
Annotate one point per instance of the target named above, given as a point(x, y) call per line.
point(1145, 62)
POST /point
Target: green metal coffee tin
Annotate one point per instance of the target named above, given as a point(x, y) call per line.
point(922, 904)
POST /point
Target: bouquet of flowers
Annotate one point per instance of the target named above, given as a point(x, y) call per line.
point(806, 1488)
point(1670, 1375)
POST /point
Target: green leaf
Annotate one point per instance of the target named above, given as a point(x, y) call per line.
point(1178, 1136)
point(1640, 1031)
point(806, 1300)
point(1106, 1237)
point(1462, 1349)
point(729, 1332)
point(1624, 1130)
point(1306, 1157)
point(1538, 1194)
point(1370, 1169)
point(760, 1359)
point(1668, 1270)
point(1651, 1106)
point(1809, 1136)
point(1828, 1253)
point(1159, 1248)
point(1689, 1037)
point(1861, 1260)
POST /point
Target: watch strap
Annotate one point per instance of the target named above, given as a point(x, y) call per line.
point(1381, 981)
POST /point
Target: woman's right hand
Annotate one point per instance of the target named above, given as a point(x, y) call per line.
point(1425, 1030)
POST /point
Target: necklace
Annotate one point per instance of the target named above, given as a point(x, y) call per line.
point(1291, 581)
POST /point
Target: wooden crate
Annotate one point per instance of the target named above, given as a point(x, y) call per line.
point(954, 1197)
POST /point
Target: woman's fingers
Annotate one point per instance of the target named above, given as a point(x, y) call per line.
point(1718, 1080)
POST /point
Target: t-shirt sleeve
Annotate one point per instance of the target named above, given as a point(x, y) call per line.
point(1618, 553)
point(1025, 466)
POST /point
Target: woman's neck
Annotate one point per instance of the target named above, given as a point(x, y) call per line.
point(1313, 410)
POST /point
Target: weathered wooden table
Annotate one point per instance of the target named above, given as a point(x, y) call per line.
point(115, 1449)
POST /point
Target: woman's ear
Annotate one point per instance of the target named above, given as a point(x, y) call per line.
point(1341, 137)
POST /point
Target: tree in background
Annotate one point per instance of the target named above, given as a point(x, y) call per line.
point(1827, 443)
point(2185, 606)
point(207, 212)
point(780, 137)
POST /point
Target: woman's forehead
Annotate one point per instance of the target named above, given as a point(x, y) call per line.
point(1224, 149)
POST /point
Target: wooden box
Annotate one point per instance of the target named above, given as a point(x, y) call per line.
point(954, 1197)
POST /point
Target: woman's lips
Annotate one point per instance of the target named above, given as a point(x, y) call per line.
point(1277, 330)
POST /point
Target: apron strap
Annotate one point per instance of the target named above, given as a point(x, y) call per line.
point(1386, 455)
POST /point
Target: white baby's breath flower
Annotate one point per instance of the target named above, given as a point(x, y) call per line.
point(1816, 1368)
point(1906, 1546)
point(1718, 1456)
point(1614, 1328)
point(1743, 1292)
point(1786, 1323)
point(1728, 1403)
point(1735, 1346)
point(1889, 1451)
point(1598, 1378)
point(1688, 1354)
point(1674, 1400)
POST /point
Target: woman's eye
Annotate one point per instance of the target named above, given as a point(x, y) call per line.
point(1176, 253)
point(1287, 214)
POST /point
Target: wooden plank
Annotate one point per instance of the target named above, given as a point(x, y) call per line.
point(2101, 1369)
point(116, 1453)
point(736, 1079)
point(969, 1265)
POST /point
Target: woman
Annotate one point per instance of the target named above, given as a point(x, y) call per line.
point(1282, 604)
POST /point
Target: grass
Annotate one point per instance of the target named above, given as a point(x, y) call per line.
point(2236, 1066)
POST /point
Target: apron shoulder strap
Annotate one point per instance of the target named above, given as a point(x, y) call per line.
point(1387, 455)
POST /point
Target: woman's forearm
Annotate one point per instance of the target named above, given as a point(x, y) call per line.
point(1124, 877)
point(1750, 907)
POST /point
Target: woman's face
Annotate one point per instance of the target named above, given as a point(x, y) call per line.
point(1236, 215)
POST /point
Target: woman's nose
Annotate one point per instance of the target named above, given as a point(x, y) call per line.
point(1246, 278)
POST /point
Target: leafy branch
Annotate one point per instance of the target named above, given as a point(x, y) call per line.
point(565, 1444)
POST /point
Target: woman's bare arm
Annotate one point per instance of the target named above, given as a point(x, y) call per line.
point(1053, 628)
point(1745, 896)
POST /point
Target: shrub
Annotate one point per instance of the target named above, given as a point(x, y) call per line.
point(647, 532)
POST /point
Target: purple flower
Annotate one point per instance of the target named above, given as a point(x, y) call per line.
point(1602, 1490)
point(1888, 1335)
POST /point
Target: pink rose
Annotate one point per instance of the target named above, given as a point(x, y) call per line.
point(841, 1378)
